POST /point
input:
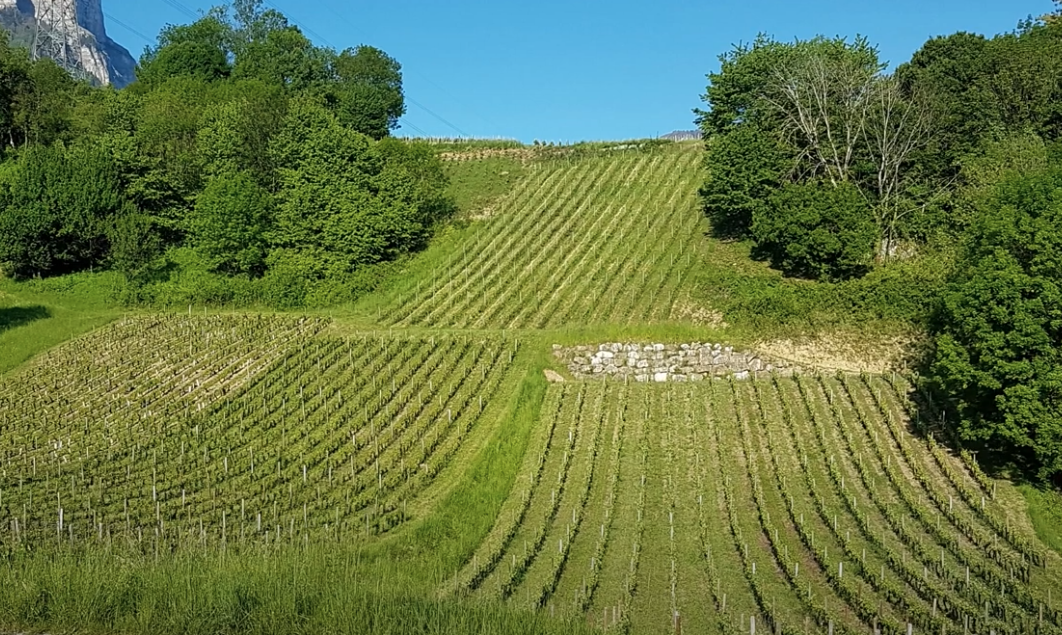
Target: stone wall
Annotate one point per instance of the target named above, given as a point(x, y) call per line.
point(667, 362)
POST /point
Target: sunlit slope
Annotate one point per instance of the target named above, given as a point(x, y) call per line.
point(798, 504)
point(607, 239)
point(237, 429)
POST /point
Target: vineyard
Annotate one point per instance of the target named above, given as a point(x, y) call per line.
point(235, 430)
point(811, 503)
point(606, 239)
point(792, 505)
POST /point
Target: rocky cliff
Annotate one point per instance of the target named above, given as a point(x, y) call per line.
point(72, 32)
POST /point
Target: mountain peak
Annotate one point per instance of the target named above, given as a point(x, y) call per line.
point(72, 33)
point(682, 135)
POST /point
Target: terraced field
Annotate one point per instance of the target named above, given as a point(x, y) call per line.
point(606, 239)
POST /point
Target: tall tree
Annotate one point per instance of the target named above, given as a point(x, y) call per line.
point(340, 198)
point(201, 50)
point(997, 358)
point(56, 211)
point(367, 92)
point(232, 218)
point(237, 128)
point(284, 57)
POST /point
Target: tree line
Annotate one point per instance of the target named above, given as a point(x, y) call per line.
point(245, 164)
point(835, 169)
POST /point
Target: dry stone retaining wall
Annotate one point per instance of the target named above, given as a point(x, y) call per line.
point(667, 362)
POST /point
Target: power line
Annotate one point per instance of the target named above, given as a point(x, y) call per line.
point(430, 112)
point(329, 44)
point(415, 71)
point(302, 26)
point(408, 124)
point(180, 6)
point(125, 26)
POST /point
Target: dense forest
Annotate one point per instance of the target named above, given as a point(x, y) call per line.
point(245, 165)
point(934, 189)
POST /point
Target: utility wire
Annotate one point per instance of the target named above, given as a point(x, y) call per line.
point(419, 74)
point(439, 117)
point(410, 125)
point(180, 6)
point(330, 45)
point(302, 26)
point(125, 26)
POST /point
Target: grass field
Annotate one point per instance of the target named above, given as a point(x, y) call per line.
point(404, 466)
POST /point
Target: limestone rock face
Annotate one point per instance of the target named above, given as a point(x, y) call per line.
point(80, 24)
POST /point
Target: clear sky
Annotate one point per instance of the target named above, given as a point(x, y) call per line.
point(570, 70)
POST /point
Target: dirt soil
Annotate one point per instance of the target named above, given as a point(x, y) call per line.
point(846, 352)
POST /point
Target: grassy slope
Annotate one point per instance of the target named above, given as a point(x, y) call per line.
point(249, 594)
point(36, 316)
point(384, 588)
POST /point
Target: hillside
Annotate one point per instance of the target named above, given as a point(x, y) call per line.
point(410, 453)
point(605, 240)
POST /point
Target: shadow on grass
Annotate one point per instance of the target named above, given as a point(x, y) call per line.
point(11, 317)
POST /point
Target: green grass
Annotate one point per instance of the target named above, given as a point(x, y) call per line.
point(38, 315)
point(574, 245)
point(474, 185)
point(319, 589)
point(448, 537)
point(1045, 511)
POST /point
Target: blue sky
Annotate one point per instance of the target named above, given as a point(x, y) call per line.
point(575, 70)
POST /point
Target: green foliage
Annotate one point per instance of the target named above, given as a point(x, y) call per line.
point(135, 246)
point(232, 217)
point(368, 94)
point(788, 122)
point(745, 165)
point(57, 211)
point(35, 98)
point(997, 339)
point(982, 87)
point(158, 156)
point(189, 59)
point(235, 131)
point(203, 151)
point(342, 200)
point(946, 70)
point(817, 231)
point(997, 160)
point(734, 92)
point(284, 57)
point(200, 50)
point(899, 298)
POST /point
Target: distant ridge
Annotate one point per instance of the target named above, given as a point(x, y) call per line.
point(682, 135)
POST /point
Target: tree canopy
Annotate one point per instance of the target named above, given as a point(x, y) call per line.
point(832, 168)
point(244, 157)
